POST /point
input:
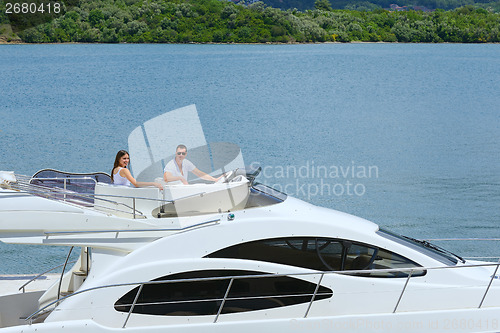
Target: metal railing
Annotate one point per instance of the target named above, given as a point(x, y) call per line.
point(29, 183)
point(74, 232)
point(231, 279)
point(23, 287)
point(24, 185)
point(62, 273)
point(65, 192)
point(55, 195)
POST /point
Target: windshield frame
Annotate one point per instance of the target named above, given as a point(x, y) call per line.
point(445, 257)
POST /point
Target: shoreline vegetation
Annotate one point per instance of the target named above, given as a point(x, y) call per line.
point(215, 21)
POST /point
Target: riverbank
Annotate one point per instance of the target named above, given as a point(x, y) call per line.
point(7, 36)
point(4, 41)
point(213, 21)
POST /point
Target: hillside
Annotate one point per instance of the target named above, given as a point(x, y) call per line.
point(214, 21)
point(493, 5)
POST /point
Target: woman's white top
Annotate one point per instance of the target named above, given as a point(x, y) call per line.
point(119, 180)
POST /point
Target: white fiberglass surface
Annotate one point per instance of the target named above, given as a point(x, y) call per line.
point(15, 201)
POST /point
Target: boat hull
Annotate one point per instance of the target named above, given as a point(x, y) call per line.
point(470, 320)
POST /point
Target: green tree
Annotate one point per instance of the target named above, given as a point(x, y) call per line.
point(202, 21)
point(95, 17)
point(323, 5)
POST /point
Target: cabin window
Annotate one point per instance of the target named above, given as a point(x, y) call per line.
point(323, 254)
point(384, 259)
point(250, 292)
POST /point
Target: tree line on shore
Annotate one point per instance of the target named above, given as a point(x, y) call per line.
point(491, 5)
point(214, 21)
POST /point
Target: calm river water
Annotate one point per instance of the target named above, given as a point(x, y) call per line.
point(407, 136)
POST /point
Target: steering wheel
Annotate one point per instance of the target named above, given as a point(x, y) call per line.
point(225, 177)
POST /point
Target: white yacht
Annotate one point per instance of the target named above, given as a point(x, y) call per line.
point(234, 256)
point(275, 263)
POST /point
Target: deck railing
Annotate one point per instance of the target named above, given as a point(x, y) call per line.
point(86, 197)
point(117, 231)
point(49, 307)
point(88, 200)
point(23, 287)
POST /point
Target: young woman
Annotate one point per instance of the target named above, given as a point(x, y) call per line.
point(120, 175)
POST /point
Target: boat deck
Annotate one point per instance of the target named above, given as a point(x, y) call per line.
point(10, 284)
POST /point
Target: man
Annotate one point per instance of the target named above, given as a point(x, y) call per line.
point(178, 168)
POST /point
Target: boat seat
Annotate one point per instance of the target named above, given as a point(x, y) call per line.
point(360, 262)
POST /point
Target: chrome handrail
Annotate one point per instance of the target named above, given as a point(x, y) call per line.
point(220, 299)
point(403, 291)
point(41, 274)
point(489, 285)
point(101, 208)
point(133, 305)
point(62, 273)
point(53, 193)
point(215, 221)
point(63, 178)
point(98, 196)
point(48, 188)
point(314, 295)
point(65, 182)
point(224, 300)
point(26, 182)
point(236, 277)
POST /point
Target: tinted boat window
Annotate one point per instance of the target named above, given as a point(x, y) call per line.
point(299, 252)
point(190, 298)
point(323, 254)
point(359, 257)
point(388, 260)
point(331, 253)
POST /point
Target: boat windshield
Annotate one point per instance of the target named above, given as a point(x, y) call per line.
point(262, 195)
point(422, 246)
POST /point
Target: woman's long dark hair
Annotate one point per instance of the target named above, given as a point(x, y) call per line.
point(117, 161)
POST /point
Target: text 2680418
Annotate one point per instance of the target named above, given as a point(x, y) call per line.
point(33, 8)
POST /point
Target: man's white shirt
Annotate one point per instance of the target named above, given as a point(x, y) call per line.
point(173, 168)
